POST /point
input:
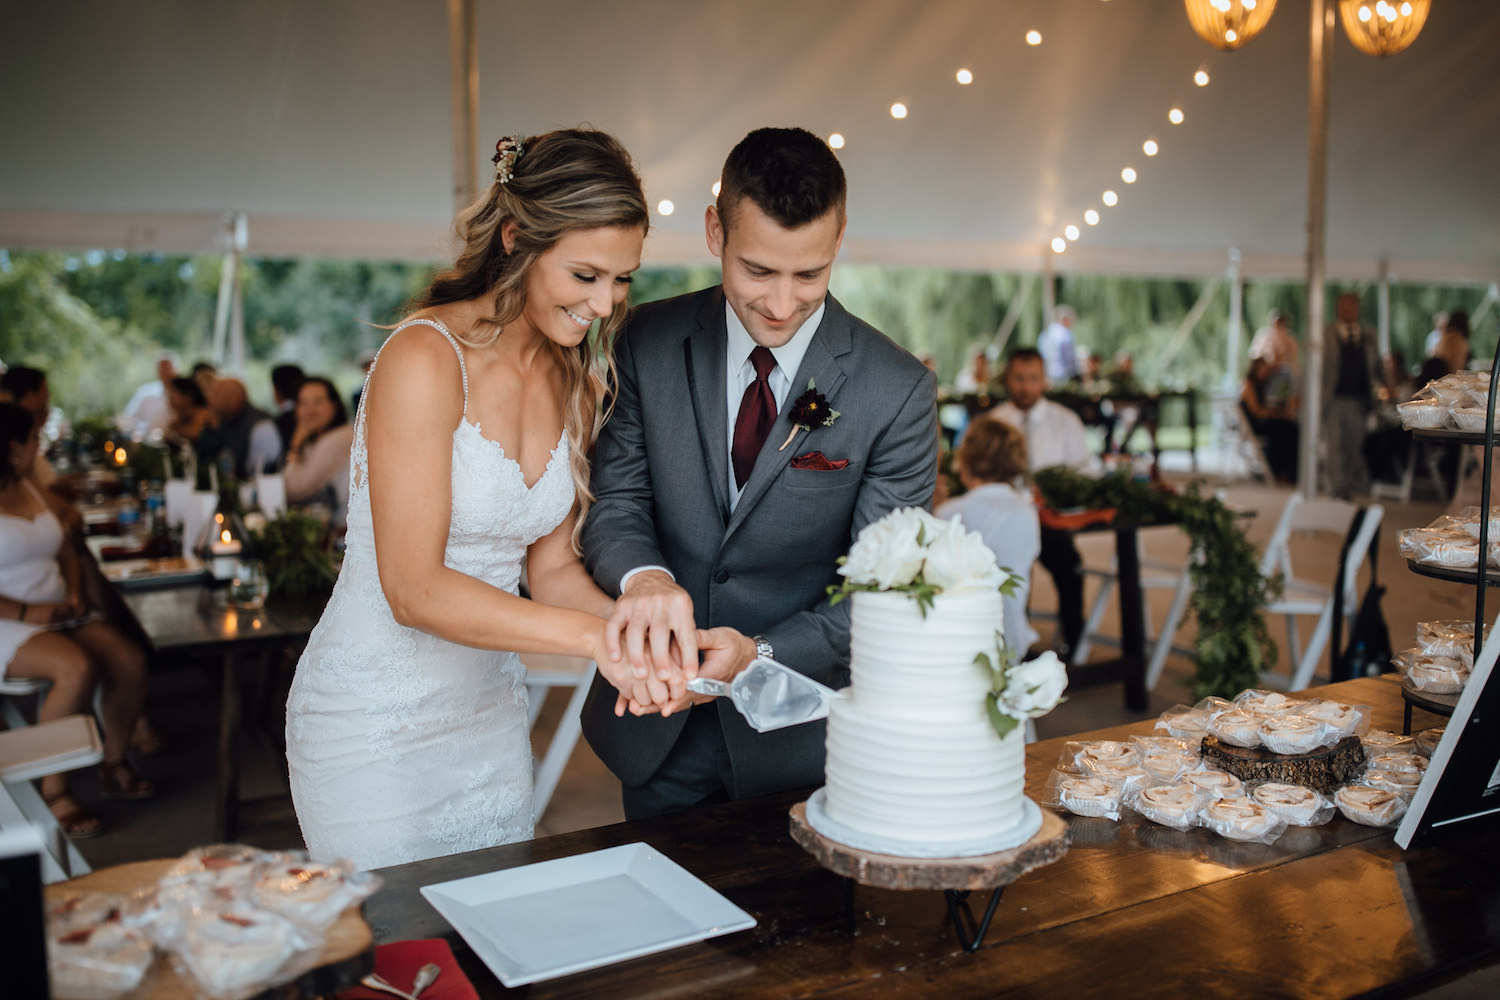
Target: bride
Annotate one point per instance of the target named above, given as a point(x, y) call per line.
point(407, 733)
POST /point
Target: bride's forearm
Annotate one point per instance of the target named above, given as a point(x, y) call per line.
point(462, 609)
point(570, 586)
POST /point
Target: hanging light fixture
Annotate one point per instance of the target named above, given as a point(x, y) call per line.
point(1383, 28)
point(1228, 24)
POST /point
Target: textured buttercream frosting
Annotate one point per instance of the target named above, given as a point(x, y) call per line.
point(911, 752)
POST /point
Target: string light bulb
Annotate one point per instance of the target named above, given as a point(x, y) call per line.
point(665, 207)
point(717, 185)
point(836, 141)
point(898, 110)
point(1034, 37)
point(1128, 175)
point(1059, 244)
point(1175, 116)
point(1201, 78)
point(1091, 217)
point(1150, 148)
point(964, 77)
point(1071, 232)
point(1111, 199)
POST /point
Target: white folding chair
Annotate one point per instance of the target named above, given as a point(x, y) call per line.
point(543, 672)
point(15, 690)
point(1156, 574)
point(64, 744)
point(1303, 597)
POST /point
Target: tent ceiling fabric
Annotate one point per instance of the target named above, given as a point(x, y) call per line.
point(140, 125)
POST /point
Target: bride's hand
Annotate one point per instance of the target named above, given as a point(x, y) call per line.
point(726, 652)
point(652, 627)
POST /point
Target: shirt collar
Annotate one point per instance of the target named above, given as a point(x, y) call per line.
point(788, 356)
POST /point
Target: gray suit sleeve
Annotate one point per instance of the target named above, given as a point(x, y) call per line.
point(901, 472)
point(619, 533)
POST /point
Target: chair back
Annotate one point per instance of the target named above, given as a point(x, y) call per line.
point(1299, 516)
point(1359, 551)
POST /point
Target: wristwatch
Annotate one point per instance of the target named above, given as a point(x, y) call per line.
point(763, 649)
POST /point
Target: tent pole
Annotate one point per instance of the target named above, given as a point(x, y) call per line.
point(1236, 319)
point(1049, 287)
point(1185, 329)
point(463, 53)
point(1383, 308)
point(1002, 336)
point(1320, 52)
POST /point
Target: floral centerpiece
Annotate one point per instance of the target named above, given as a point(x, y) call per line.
point(910, 551)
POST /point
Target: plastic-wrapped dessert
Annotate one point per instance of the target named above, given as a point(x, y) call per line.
point(1085, 795)
point(218, 864)
point(1264, 702)
point(1184, 723)
point(1297, 805)
point(1450, 639)
point(1370, 806)
point(1432, 674)
point(1396, 760)
point(1170, 805)
point(1381, 740)
point(237, 950)
point(308, 893)
point(1167, 765)
point(1425, 742)
point(1403, 783)
point(1237, 727)
point(1342, 720)
point(1292, 734)
point(1092, 756)
point(93, 951)
point(1243, 818)
point(1214, 784)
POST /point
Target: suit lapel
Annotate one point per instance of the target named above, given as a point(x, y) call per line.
point(821, 364)
point(703, 354)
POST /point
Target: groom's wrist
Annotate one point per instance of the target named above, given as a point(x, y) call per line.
point(625, 580)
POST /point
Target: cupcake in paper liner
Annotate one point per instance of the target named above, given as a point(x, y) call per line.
point(237, 951)
point(1370, 806)
point(1426, 742)
point(1168, 765)
point(220, 864)
point(1342, 720)
point(1448, 638)
point(1084, 794)
point(1238, 727)
point(1294, 734)
point(1183, 722)
point(1212, 784)
point(1243, 818)
point(1088, 757)
point(1298, 805)
point(1264, 702)
point(1175, 806)
point(1380, 740)
point(94, 951)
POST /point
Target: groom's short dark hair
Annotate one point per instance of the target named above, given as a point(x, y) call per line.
point(789, 173)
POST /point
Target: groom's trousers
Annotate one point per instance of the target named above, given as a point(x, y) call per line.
point(696, 772)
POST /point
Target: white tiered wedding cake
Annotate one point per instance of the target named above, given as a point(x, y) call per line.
point(917, 763)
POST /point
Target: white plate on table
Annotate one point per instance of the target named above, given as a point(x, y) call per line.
point(552, 918)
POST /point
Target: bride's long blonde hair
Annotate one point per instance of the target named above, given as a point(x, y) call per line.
point(563, 181)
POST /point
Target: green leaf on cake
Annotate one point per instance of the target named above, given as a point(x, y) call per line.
point(1003, 723)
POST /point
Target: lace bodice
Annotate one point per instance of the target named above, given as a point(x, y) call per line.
point(403, 745)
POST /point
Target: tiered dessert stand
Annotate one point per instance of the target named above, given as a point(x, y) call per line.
point(1480, 576)
point(957, 877)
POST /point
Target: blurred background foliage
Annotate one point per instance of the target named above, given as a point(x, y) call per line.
point(94, 320)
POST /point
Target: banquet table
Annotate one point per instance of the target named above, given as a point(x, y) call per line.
point(1132, 909)
point(195, 619)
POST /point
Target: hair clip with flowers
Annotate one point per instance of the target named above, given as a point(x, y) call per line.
point(507, 151)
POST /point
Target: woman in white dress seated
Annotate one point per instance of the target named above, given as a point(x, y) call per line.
point(48, 633)
point(991, 461)
point(407, 731)
point(317, 457)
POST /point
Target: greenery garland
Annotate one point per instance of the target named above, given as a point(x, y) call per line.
point(1233, 646)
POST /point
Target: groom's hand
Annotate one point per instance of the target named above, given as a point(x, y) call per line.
point(651, 615)
point(726, 652)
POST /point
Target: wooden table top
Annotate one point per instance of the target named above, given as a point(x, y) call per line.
point(198, 618)
point(1133, 909)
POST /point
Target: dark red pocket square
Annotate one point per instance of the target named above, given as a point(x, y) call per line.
point(819, 462)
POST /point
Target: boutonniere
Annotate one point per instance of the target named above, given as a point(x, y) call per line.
point(809, 410)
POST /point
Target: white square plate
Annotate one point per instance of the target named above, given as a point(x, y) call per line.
point(557, 917)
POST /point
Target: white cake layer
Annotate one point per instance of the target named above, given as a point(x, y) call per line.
point(922, 666)
point(911, 754)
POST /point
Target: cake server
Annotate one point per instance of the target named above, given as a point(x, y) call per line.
point(771, 696)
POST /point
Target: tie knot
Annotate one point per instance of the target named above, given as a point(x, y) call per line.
point(763, 361)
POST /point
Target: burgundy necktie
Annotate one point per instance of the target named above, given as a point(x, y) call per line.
point(757, 414)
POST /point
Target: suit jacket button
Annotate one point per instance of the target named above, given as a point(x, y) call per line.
point(721, 577)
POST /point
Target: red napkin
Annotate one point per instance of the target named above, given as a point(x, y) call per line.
point(1050, 518)
point(819, 462)
point(398, 962)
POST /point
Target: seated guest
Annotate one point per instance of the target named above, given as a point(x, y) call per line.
point(148, 411)
point(49, 632)
point(189, 412)
point(285, 381)
point(1054, 436)
point(990, 464)
point(1452, 347)
point(248, 435)
point(317, 459)
point(28, 390)
point(1275, 422)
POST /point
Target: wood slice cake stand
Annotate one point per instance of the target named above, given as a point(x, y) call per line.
point(1324, 770)
point(957, 877)
point(346, 956)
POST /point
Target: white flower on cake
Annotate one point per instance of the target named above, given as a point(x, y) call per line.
point(1034, 688)
point(958, 560)
point(888, 555)
point(910, 551)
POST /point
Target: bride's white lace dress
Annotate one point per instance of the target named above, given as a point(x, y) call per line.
point(402, 745)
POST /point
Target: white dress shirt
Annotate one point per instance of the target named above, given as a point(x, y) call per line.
point(739, 373)
point(1059, 352)
point(1054, 434)
point(1006, 519)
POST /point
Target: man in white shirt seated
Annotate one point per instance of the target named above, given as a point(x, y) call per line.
point(147, 410)
point(1054, 436)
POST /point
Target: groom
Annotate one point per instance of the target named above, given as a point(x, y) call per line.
point(715, 510)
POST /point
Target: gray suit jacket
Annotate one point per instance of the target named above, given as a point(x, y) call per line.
point(660, 475)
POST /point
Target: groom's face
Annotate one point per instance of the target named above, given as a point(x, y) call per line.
point(774, 277)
